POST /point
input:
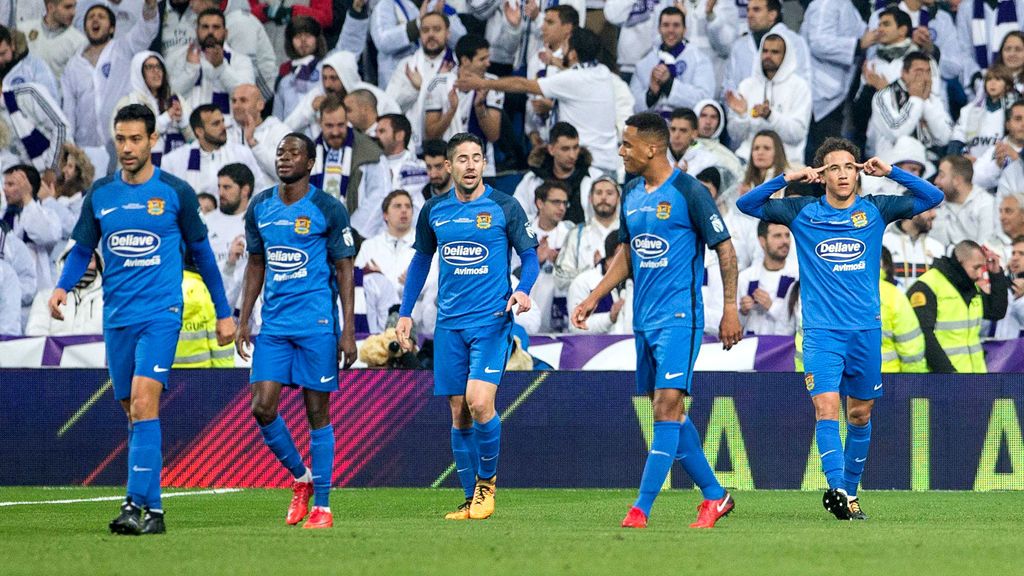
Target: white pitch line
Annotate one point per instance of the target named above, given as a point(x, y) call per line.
point(119, 498)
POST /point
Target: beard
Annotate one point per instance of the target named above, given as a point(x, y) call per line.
point(100, 40)
point(604, 210)
point(230, 208)
point(209, 41)
point(292, 178)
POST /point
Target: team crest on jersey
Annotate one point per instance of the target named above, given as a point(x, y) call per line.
point(809, 381)
point(483, 220)
point(155, 206)
point(664, 210)
point(860, 219)
point(302, 224)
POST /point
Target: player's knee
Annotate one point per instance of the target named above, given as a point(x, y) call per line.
point(264, 410)
point(142, 408)
point(858, 415)
point(667, 408)
point(481, 409)
point(461, 416)
point(318, 417)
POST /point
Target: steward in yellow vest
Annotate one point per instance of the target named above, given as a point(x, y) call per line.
point(197, 341)
point(950, 307)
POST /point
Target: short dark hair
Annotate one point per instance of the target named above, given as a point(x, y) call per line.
point(105, 8)
point(239, 174)
point(902, 18)
point(310, 145)
point(136, 113)
point(542, 191)
point(585, 43)
point(909, 59)
point(365, 97)
point(1018, 240)
point(391, 197)
point(399, 123)
point(712, 176)
point(762, 228)
point(650, 125)
point(562, 129)
point(834, 144)
point(611, 243)
point(961, 166)
point(435, 148)
point(331, 103)
point(774, 6)
point(5, 36)
point(441, 15)
point(469, 45)
point(30, 172)
point(462, 138)
point(965, 247)
point(566, 14)
point(672, 11)
point(195, 119)
point(212, 12)
point(685, 114)
point(1009, 109)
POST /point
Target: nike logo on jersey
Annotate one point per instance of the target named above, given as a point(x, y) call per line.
point(859, 459)
point(490, 371)
point(439, 223)
point(325, 379)
point(631, 212)
point(106, 211)
point(833, 222)
point(721, 505)
point(879, 387)
point(672, 375)
point(265, 224)
point(158, 369)
point(137, 469)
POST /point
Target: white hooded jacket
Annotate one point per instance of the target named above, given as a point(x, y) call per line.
point(790, 98)
point(173, 133)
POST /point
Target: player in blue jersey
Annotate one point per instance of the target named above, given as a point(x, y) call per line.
point(300, 256)
point(839, 242)
point(667, 218)
point(143, 219)
point(473, 226)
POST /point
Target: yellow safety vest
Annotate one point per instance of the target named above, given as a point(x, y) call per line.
point(197, 342)
point(957, 325)
point(902, 340)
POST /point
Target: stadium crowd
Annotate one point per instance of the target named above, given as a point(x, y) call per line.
point(933, 87)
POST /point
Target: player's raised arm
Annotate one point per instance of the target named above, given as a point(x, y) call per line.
point(926, 196)
point(753, 203)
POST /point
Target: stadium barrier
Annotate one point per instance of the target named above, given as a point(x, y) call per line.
point(560, 429)
point(565, 352)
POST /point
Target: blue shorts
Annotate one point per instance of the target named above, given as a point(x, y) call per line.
point(307, 361)
point(665, 358)
point(844, 361)
point(144, 349)
point(467, 354)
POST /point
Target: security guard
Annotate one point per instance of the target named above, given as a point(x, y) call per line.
point(902, 340)
point(197, 341)
point(950, 307)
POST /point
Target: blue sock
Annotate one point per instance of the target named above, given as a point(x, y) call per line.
point(144, 462)
point(488, 444)
point(280, 441)
point(321, 452)
point(659, 462)
point(858, 440)
point(466, 458)
point(830, 447)
point(690, 454)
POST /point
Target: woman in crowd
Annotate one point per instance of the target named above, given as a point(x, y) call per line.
point(151, 87)
point(306, 46)
point(767, 160)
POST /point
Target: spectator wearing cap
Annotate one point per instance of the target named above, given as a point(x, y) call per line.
point(83, 313)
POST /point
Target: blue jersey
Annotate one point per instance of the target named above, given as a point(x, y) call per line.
point(143, 230)
point(300, 243)
point(667, 230)
point(839, 251)
point(474, 239)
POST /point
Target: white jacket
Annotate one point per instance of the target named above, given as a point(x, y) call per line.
point(268, 135)
point(91, 92)
point(694, 79)
point(975, 219)
point(790, 98)
point(199, 168)
point(746, 56)
point(833, 29)
point(638, 28)
point(202, 83)
point(979, 127)
point(10, 301)
point(504, 38)
point(36, 126)
point(33, 69)
point(952, 56)
point(388, 20)
point(83, 314)
point(715, 36)
point(41, 230)
point(895, 113)
point(249, 36)
point(600, 322)
point(54, 48)
point(577, 254)
point(776, 320)
point(409, 98)
point(988, 174)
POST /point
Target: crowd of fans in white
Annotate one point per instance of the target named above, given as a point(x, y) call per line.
point(930, 86)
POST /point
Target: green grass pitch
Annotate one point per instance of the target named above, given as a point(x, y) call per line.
point(400, 531)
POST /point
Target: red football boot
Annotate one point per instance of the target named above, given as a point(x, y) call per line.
point(320, 518)
point(710, 511)
point(299, 507)
point(635, 519)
